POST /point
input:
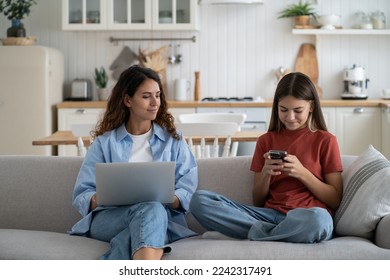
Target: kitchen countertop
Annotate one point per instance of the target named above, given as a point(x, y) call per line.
point(239, 104)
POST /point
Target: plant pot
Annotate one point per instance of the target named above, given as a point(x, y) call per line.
point(17, 29)
point(302, 20)
point(103, 94)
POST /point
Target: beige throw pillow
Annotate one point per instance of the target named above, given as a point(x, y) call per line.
point(366, 195)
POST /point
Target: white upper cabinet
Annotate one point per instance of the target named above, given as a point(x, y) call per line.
point(130, 15)
point(175, 15)
point(83, 14)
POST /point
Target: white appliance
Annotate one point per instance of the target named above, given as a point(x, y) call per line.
point(31, 84)
point(355, 83)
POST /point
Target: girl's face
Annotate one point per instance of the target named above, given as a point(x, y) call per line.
point(293, 112)
point(145, 103)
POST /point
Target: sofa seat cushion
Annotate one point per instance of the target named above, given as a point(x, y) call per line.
point(42, 245)
point(216, 247)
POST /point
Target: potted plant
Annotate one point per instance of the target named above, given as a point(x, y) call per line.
point(101, 80)
point(15, 11)
point(301, 12)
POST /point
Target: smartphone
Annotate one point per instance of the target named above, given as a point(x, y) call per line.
point(277, 154)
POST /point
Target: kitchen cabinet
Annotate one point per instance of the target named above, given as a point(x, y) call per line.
point(357, 127)
point(75, 116)
point(330, 118)
point(84, 14)
point(175, 15)
point(386, 132)
point(129, 15)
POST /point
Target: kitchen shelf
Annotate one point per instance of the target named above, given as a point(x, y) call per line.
point(318, 31)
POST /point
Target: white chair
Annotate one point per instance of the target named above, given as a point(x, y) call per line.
point(211, 129)
point(237, 118)
point(79, 131)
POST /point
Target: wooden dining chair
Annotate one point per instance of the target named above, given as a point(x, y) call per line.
point(237, 118)
point(214, 130)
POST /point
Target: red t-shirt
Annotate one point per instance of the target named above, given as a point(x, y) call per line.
point(317, 151)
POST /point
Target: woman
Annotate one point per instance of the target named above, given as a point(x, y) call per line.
point(136, 127)
point(294, 197)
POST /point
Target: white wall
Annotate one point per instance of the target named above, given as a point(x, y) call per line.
point(238, 48)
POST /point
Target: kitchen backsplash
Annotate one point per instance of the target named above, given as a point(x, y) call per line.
point(237, 49)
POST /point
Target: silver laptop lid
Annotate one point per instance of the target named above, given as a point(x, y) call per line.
point(125, 183)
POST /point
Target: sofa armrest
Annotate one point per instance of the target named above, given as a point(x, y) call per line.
point(382, 237)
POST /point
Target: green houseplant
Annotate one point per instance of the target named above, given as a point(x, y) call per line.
point(101, 77)
point(15, 11)
point(301, 12)
point(101, 81)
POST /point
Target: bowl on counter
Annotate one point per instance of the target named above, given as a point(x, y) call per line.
point(328, 22)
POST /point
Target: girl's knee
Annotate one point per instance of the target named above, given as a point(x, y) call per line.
point(315, 217)
point(200, 198)
point(200, 202)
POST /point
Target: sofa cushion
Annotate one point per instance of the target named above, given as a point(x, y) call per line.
point(366, 195)
point(43, 245)
point(218, 247)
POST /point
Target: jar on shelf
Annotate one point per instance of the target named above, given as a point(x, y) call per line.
point(366, 22)
point(358, 19)
point(378, 19)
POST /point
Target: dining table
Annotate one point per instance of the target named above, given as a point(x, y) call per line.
point(66, 137)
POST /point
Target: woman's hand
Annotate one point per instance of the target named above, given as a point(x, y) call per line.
point(175, 204)
point(93, 203)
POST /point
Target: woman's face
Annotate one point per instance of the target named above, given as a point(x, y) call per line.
point(293, 112)
point(145, 103)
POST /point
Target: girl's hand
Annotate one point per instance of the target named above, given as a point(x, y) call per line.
point(293, 167)
point(272, 167)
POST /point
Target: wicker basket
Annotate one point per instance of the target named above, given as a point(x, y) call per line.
point(19, 41)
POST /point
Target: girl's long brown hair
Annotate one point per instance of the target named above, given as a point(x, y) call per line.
point(117, 113)
point(300, 86)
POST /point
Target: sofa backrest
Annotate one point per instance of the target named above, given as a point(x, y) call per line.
point(36, 192)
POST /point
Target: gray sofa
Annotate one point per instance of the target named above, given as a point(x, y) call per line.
point(36, 212)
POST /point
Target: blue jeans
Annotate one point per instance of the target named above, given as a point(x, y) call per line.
point(302, 225)
point(129, 228)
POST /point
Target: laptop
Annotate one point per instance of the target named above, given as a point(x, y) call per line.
point(126, 183)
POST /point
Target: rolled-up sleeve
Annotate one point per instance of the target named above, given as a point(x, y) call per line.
point(186, 175)
point(85, 186)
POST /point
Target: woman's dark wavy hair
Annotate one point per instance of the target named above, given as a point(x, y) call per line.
point(117, 113)
point(300, 86)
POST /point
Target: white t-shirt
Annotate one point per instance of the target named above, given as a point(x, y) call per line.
point(141, 151)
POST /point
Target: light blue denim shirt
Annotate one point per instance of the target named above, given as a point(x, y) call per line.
point(115, 146)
